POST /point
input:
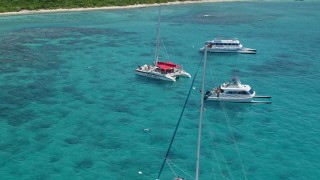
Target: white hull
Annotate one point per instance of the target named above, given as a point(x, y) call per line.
point(180, 73)
point(230, 50)
point(230, 99)
point(231, 92)
point(155, 75)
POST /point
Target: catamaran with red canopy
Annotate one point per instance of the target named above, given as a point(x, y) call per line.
point(167, 71)
point(162, 70)
point(173, 68)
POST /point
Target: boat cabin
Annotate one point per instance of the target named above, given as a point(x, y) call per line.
point(220, 42)
point(236, 88)
point(223, 43)
point(164, 70)
point(243, 92)
point(166, 67)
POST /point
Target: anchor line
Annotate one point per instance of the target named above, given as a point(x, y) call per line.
point(176, 129)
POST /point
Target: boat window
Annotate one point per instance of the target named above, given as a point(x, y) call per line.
point(251, 91)
point(236, 92)
point(243, 92)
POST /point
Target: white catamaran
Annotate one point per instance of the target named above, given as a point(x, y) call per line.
point(167, 71)
point(234, 92)
point(222, 45)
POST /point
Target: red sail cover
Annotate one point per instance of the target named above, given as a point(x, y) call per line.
point(167, 65)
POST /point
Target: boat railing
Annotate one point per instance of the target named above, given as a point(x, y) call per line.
point(225, 84)
point(235, 96)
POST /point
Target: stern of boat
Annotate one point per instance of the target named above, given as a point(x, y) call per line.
point(207, 94)
point(248, 51)
point(170, 78)
point(183, 73)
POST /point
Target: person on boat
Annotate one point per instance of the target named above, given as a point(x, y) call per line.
point(217, 91)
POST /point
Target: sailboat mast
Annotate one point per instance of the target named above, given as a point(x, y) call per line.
point(158, 38)
point(201, 112)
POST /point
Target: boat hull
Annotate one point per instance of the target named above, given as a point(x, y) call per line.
point(154, 75)
point(227, 50)
point(228, 99)
point(236, 98)
point(181, 73)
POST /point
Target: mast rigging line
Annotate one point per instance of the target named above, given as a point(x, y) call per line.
point(222, 105)
point(168, 162)
point(234, 140)
point(181, 114)
point(171, 169)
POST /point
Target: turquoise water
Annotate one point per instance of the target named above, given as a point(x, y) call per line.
point(72, 108)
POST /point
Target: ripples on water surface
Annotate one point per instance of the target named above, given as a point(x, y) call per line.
point(72, 108)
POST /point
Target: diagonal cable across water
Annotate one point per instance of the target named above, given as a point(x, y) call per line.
point(176, 129)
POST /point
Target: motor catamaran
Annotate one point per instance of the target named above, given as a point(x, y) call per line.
point(234, 92)
point(221, 45)
point(167, 71)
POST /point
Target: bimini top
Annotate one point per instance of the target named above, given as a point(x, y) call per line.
point(167, 65)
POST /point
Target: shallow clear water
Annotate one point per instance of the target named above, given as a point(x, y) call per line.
point(72, 108)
